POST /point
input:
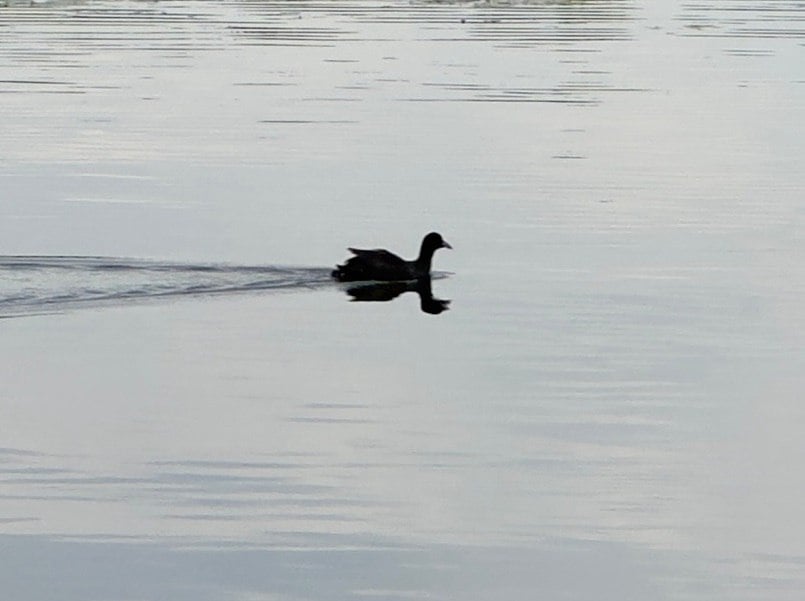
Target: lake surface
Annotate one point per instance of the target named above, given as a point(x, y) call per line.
point(611, 408)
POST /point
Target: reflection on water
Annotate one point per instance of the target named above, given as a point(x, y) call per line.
point(386, 291)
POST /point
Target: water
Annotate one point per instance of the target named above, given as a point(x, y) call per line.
point(611, 406)
point(33, 284)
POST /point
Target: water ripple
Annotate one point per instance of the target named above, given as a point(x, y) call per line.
point(35, 284)
point(742, 19)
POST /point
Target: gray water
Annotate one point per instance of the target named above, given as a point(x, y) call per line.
point(611, 408)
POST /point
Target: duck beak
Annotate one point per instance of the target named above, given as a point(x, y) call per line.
point(446, 245)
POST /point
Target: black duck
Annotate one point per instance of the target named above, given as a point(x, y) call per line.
point(383, 266)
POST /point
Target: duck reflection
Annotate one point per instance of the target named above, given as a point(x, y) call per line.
point(386, 291)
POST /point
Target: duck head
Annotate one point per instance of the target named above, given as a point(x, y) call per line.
point(434, 241)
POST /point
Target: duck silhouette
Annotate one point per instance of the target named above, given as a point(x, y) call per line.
point(386, 291)
point(383, 266)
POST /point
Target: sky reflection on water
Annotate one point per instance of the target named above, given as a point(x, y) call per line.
point(611, 407)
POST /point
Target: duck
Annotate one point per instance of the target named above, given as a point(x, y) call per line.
point(383, 266)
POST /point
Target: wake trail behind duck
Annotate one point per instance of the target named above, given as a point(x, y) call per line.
point(33, 284)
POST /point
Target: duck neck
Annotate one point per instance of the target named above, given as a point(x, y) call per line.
point(424, 259)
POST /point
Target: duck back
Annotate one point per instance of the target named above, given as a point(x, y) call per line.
point(373, 265)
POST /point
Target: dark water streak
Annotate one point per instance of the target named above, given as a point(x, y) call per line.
point(741, 19)
point(73, 32)
point(34, 284)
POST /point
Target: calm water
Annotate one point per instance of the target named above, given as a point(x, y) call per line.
point(612, 408)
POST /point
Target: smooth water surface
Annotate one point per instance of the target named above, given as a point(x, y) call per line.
point(611, 408)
